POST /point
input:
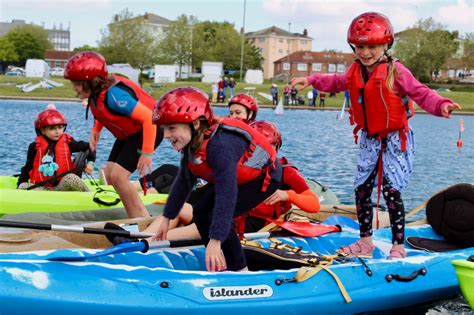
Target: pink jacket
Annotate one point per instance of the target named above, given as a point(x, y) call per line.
point(405, 84)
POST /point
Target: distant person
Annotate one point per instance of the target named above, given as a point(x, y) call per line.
point(315, 97)
point(310, 97)
point(377, 83)
point(50, 155)
point(125, 109)
point(274, 92)
point(232, 85)
point(220, 84)
point(286, 94)
point(294, 93)
point(347, 98)
point(214, 90)
point(322, 99)
point(220, 96)
point(225, 85)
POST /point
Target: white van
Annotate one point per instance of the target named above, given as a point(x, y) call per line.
point(36, 68)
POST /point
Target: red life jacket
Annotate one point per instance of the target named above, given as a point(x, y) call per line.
point(119, 125)
point(264, 211)
point(250, 165)
point(374, 107)
point(62, 156)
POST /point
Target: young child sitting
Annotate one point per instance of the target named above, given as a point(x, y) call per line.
point(50, 155)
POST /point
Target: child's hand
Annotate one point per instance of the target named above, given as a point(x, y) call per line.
point(144, 164)
point(447, 108)
point(279, 195)
point(89, 169)
point(93, 140)
point(162, 231)
point(299, 81)
point(215, 260)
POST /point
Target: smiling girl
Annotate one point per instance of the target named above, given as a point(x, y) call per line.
point(379, 87)
point(234, 158)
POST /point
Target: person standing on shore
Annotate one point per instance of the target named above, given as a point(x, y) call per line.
point(377, 83)
point(125, 109)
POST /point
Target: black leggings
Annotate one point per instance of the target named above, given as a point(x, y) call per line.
point(394, 203)
point(248, 197)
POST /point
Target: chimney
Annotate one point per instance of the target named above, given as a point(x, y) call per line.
point(273, 29)
point(305, 33)
point(116, 18)
point(146, 16)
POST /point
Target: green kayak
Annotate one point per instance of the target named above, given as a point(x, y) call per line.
point(465, 274)
point(13, 201)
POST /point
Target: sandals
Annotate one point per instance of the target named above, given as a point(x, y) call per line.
point(357, 249)
point(397, 253)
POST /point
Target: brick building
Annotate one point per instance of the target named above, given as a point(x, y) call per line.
point(57, 58)
point(304, 63)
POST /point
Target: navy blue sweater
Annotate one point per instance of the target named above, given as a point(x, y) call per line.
point(224, 151)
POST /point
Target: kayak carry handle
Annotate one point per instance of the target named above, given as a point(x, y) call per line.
point(423, 271)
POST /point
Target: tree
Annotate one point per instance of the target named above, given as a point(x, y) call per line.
point(86, 48)
point(425, 47)
point(468, 58)
point(129, 40)
point(220, 41)
point(7, 51)
point(30, 41)
point(176, 46)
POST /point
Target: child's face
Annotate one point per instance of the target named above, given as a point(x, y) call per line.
point(238, 111)
point(81, 93)
point(178, 134)
point(369, 54)
point(53, 132)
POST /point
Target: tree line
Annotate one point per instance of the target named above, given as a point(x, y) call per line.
point(423, 48)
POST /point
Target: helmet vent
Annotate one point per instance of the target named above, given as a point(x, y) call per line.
point(368, 29)
point(179, 109)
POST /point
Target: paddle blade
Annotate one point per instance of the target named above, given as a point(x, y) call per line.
point(307, 229)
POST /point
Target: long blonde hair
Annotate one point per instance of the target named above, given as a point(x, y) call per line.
point(392, 74)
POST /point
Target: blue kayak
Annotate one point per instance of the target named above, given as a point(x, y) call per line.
point(175, 280)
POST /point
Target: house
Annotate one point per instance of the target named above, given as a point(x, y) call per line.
point(57, 58)
point(157, 24)
point(275, 43)
point(305, 63)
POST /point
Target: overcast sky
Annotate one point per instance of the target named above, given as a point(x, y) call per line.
point(326, 20)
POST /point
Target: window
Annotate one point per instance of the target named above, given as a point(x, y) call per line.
point(261, 50)
point(316, 67)
point(281, 40)
point(58, 63)
point(286, 66)
point(303, 42)
point(302, 67)
point(331, 67)
point(341, 68)
point(261, 40)
point(280, 51)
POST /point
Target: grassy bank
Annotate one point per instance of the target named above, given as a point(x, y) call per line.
point(465, 99)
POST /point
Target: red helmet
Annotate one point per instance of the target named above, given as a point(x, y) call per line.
point(85, 66)
point(370, 28)
point(182, 105)
point(269, 130)
point(50, 117)
point(246, 101)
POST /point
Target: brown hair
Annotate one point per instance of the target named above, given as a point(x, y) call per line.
point(198, 138)
point(97, 84)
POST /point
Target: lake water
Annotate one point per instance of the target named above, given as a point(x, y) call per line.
point(315, 141)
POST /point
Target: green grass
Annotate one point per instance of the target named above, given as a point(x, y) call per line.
point(465, 99)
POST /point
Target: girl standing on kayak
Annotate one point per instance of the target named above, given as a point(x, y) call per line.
point(125, 109)
point(50, 155)
point(234, 158)
point(379, 87)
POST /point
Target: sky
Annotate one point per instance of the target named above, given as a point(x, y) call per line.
point(326, 20)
